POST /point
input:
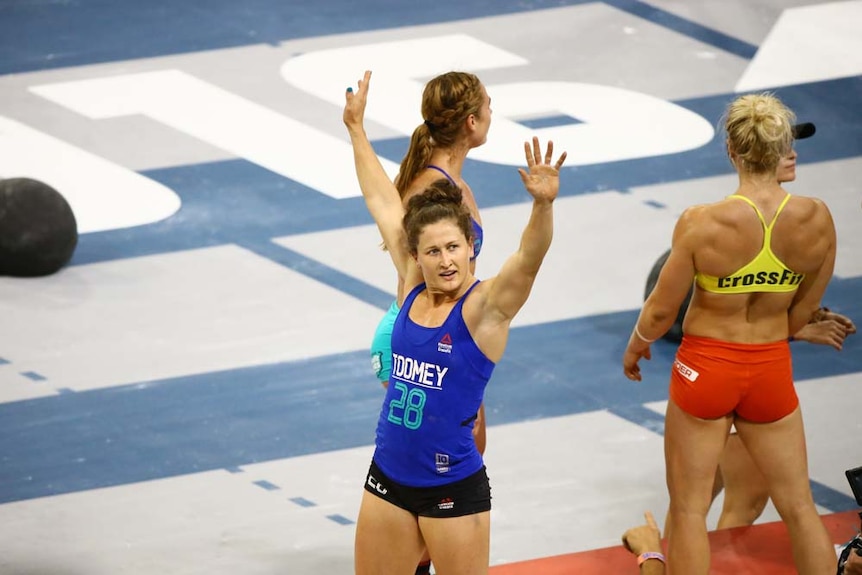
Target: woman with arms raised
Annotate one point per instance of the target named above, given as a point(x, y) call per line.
point(427, 485)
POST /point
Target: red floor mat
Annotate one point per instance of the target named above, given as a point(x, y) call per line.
point(762, 550)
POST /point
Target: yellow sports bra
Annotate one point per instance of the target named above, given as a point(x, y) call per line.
point(765, 273)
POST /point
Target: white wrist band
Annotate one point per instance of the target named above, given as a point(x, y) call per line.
point(638, 333)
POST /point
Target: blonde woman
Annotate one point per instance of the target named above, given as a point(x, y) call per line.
point(760, 260)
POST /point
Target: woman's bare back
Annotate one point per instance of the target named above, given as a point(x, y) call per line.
point(725, 236)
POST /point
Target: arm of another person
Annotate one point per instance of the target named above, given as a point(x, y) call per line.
point(506, 293)
point(807, 299)
point(661, 308)
point(644, 541)
point(825, 314)
point(381, 196)
point(853, 565)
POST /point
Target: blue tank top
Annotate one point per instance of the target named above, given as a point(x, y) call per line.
point(438, 379)
point(478, 232)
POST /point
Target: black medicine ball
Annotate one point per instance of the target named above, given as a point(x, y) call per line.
point(38, 231)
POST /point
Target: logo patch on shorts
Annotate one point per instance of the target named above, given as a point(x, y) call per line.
point(685, 370)
point(446, 503)
point(374, 484)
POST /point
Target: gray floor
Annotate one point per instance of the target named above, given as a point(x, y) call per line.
point(193, 395)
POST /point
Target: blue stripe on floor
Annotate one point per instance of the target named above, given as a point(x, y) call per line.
point(238, 202)
point(549, 122)
point(655, 204)
point(686, 27)
point(642, 416)
point(321, 272)
point(222, 420)
point(340, 519)
point(166, 27)
point(264, 484)
point(830, 499)
point(824, 496)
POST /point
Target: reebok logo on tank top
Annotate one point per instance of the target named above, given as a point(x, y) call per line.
point(445, 344)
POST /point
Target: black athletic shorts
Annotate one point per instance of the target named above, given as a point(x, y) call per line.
point(465, 497)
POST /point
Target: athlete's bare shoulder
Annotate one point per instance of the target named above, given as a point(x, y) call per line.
point(808, 210)
point(804, 233)
point(708, 225)
point(694, 218)
point(808, 220)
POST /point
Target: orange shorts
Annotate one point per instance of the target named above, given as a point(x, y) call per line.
point(711, 378)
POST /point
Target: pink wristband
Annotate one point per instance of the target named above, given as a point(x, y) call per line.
point(649, 555)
